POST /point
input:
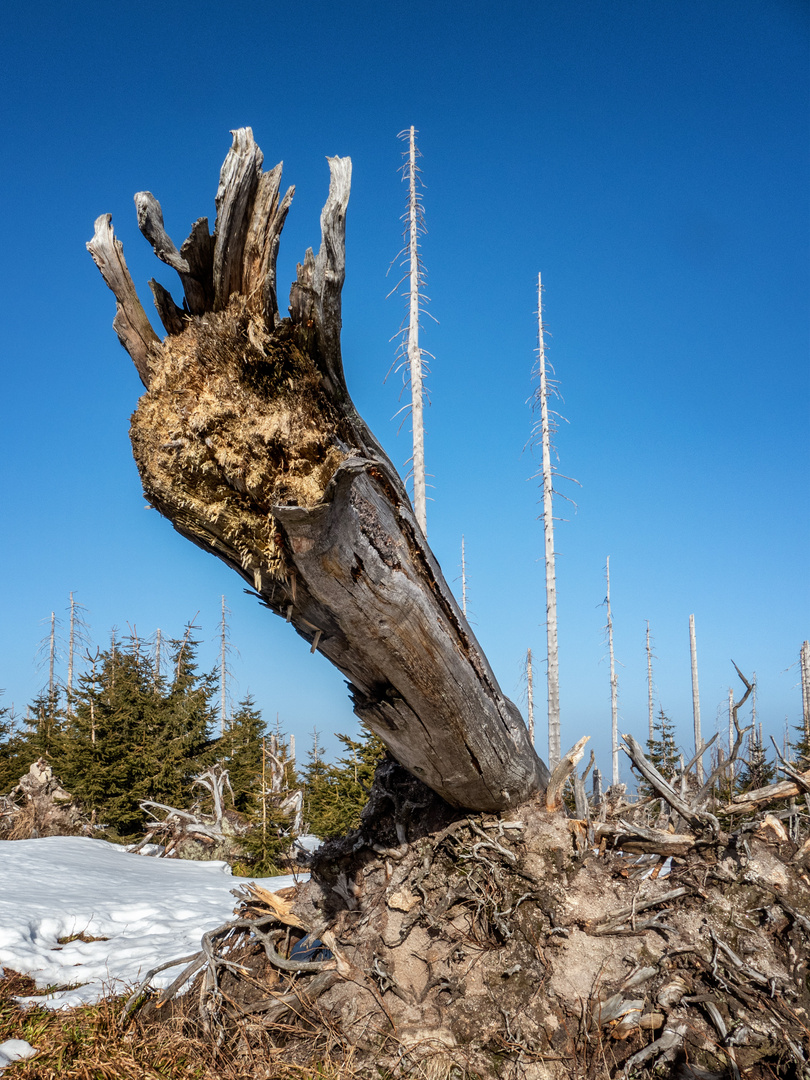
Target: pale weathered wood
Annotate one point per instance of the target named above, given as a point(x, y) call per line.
point(170, 314)
point(315, 297)
point(198, 251)
point(751, 800)
point(261, 246)
point(701, 820)
point(699, 747)
point(638, 838)
point(150, 222)
point(562, 771)
point(130, 323)
point(249, 443)
point(368, 581)
point(238, 182)
point(552, 651)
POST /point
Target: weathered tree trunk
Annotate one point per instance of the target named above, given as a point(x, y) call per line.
point(414, 352)
point(696, 701)
point(553, 667)
point(614, 686)
point(248, 442)
point(804, 667)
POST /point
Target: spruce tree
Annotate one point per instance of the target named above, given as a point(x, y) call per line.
point(334, 795)
point(178, 741)
point(43, 735)
point(350, 782)
point(105, 761)
point(757, 770)
point(11, 747)
point(241, 750)
point(661, 749)
point(315, 782)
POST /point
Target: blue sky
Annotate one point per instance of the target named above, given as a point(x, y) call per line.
point(649, 158)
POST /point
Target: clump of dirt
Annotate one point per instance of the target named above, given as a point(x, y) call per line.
point(235, 422)
point(500, 946)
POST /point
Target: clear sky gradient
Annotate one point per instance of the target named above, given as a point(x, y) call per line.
point(649, 158)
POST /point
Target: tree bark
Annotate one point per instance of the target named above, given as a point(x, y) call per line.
point(248, 442)
point(553, 667)
point(696, 701)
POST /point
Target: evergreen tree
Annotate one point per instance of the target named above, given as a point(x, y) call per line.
point(106, 759)
point(241, 750)
point(757, 770)
point(264, 782)
point(11, 748)
point(178, 741)
point(661, 749)
point(350, 782)
point(334, 795)
point(43, 735)
point(132, 736)
point(801, 749)
point(315, 782)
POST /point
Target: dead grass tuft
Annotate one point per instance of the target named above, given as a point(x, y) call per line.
point(88, 1043)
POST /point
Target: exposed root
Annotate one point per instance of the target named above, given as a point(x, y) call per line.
point(434, 943)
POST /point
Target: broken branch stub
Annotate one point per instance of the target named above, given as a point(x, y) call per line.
point(247, 440)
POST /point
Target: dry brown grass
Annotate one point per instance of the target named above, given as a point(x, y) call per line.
point(88, 1043)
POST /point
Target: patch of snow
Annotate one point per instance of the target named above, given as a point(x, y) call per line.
point(307, 842)
point(14, 1050)
point(144, 911)
point(146, 849)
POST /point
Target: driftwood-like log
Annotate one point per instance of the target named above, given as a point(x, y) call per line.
point(702, 821)
point(248, 442)
point(752, 800)
point(638, 838)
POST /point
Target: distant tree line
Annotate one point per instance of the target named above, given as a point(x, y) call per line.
point(142, 721)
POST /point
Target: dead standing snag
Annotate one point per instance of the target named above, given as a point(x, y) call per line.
point(248, 442)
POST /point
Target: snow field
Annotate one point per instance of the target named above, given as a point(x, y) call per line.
point(148, 910)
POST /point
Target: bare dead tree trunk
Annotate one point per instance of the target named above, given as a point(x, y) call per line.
point(530, 694)
point(804, 666)
point(248, 442)
point(158, 644)
point(614, 684)
point(51, 676)
point(94, 661)
point(553, 669)
point(71, 643)
point(650, 713)
point(464, 580)
point(223, 669)
point(696, 701)
point(415, 278)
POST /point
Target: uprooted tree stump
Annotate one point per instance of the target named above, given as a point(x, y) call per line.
point(520, 945)
point(38, 805)
point(511, 942)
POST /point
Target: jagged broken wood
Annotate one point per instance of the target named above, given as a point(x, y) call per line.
point(247, 440)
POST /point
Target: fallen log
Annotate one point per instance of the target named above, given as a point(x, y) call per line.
point(626, 836)
point(751, 800)
point(247, 440)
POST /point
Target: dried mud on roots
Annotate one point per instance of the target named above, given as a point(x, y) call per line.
point(502, 946)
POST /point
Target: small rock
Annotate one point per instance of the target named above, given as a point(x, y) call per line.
point(403, 900)
point(651, 1021)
